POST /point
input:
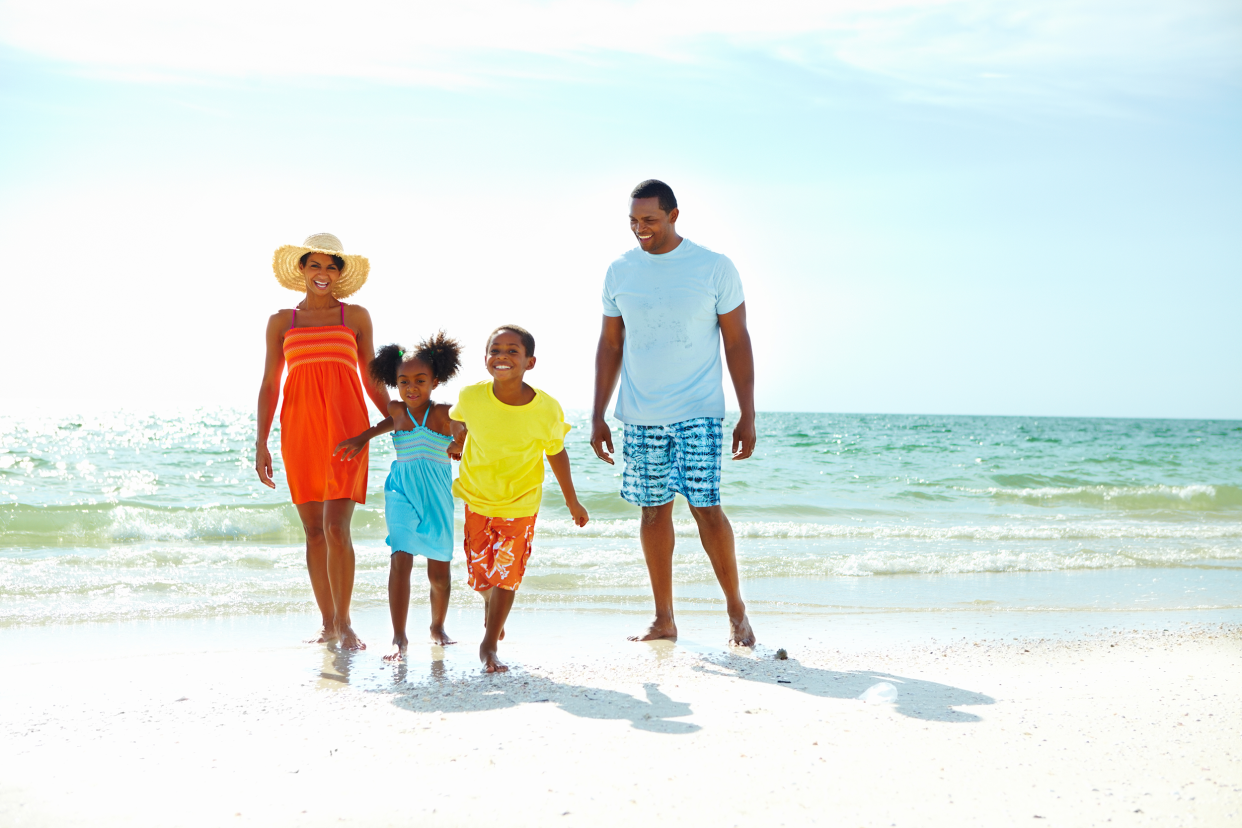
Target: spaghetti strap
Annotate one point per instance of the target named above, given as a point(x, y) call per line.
point(427, 414)
point(342, 314)
point(294, 323)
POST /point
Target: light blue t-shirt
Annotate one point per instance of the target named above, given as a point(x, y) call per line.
point(670, 367)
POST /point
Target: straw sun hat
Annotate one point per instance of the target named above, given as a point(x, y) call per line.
point(285, 265)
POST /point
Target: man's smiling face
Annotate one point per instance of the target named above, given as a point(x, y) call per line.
point(653, 227)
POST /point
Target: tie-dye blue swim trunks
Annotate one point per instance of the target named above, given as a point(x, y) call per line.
point(664, 460)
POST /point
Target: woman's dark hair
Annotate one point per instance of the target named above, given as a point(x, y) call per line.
point(340, 263)
point(528, 341)
point(441, 353)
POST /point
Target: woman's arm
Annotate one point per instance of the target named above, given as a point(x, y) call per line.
point(354, 445)
point(361, 320)
point(269, 394)
point(560, 467)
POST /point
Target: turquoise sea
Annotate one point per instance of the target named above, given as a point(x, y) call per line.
point(126, 516)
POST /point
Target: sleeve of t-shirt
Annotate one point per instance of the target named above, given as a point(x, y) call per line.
point(610, 305)
point(459, 409)
point(557, 429)
point(728, 287)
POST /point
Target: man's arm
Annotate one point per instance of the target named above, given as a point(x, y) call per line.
point(741, 361)
point(607, 371)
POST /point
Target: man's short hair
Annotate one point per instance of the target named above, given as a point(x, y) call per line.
point(654, 188)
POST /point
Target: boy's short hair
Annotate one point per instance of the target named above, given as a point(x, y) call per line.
point(528, 341)
point(654, 188)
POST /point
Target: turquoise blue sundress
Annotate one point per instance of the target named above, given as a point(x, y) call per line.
point(418, 494)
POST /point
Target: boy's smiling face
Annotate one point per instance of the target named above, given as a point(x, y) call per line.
point(506, 357)
point(415, 382)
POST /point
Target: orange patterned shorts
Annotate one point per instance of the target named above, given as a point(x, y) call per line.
point(497, 550)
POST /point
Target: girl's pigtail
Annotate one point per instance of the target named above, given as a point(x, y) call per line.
point(384, 366)
point(443, 354)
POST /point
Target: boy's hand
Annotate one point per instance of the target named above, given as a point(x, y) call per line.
point(400, 416)
point(454, 450)
point(578, 512)
point(601, 435)
point(351, 447)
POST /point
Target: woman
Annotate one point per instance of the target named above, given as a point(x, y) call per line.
point(324, 341)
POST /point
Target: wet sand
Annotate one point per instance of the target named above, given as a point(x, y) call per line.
point(223, 723)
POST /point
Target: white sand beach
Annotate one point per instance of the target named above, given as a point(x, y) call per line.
point(1105, 728)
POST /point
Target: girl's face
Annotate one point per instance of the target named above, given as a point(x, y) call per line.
point(321, 273)
point(415, 382)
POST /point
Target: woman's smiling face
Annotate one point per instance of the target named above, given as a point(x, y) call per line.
point(321, 273)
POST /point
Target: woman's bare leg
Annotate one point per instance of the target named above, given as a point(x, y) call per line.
point(441, 581)
point(399, 568)
point(317, 565)
point(336, 517)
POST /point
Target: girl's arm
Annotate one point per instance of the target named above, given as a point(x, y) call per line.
point(354, 445)
point(269, 394)
point(378, 392)
point(458, 431)
point(560, 467)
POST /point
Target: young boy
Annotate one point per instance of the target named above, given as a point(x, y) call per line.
point(501, 431)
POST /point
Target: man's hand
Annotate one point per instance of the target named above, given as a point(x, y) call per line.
point(744, 438)
point(601, 435)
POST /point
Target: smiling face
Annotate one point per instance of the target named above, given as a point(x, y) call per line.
point(506, 357)
point(321, 273)
point(653, 227)
point(415, 382)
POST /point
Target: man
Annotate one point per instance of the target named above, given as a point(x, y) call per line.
point(667, 305)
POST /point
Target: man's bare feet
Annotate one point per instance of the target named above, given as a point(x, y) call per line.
point(399, 645)
point(491, 661)
point(658, 631)
point(324, 636)
point(439, 636)
point(349, 639)
point(740, 633)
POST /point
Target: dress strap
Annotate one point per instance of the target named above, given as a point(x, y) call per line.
point(342, 314)
point(427, 414)
point(294, 323)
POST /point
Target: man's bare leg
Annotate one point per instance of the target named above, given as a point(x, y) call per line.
point(716, 533)
point(399, 567)
point(657, 537)
point(498, 603)
point(317, 565)
point(336, 517)
point(441, 581)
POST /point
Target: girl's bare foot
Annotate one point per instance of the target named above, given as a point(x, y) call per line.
point(325, 635)
point(349, 639)
point(740, 633)
point(399, 646)
point(439, 636)
point(658, 631)
point(491, 661)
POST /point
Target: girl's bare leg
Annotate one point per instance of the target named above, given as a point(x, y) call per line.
point(336, 517)
point(441, 581)
point(317, 565)
point(399, 568)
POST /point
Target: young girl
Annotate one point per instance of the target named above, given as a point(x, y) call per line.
point(418, 499)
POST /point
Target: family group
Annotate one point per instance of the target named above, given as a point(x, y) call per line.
point(668, 305)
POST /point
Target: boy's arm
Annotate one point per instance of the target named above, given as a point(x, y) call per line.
point(354, 445)
point(560, 467)
point(459, 431)
point(741, 361)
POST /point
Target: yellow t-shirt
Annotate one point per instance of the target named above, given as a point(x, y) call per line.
point(501, 472)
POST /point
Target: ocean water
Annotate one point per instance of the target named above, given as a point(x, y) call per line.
point(125, 516)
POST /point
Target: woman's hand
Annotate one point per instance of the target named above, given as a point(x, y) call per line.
point(454, 450)
point(263, 465)
point(578, 512)
point(351, 447)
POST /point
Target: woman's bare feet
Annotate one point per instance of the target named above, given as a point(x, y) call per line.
point(326, 635)
point(660, 630)
point(439, 636)
point(349, 639)
point(399, 645)
point(740, 633)
point(491, 661)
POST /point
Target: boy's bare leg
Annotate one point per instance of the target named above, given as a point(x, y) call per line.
point(657, 537)
point(716, 533)
point(498, 603)
point(486, 599)
point(336, 517)
point(441, 581)
point(399, 567)
point(317, 565)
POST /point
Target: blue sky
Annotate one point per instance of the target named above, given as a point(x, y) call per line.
point(941, 207)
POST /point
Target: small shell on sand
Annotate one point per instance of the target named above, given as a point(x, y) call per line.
point(781, 655)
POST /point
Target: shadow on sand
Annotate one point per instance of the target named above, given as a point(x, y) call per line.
point(916, 698)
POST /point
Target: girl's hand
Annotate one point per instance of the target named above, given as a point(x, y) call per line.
point(454, 450)
point(263, 465)
point(351, 447)
point(578, 512)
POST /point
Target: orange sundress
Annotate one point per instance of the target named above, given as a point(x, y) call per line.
point(324, 405)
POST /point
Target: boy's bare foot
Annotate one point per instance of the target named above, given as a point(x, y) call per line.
point(439, 636)
point(324, 636)
point(399, 646)
point(658, 631)
point(740, 633)
point(349, 639)
point(491, 661)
